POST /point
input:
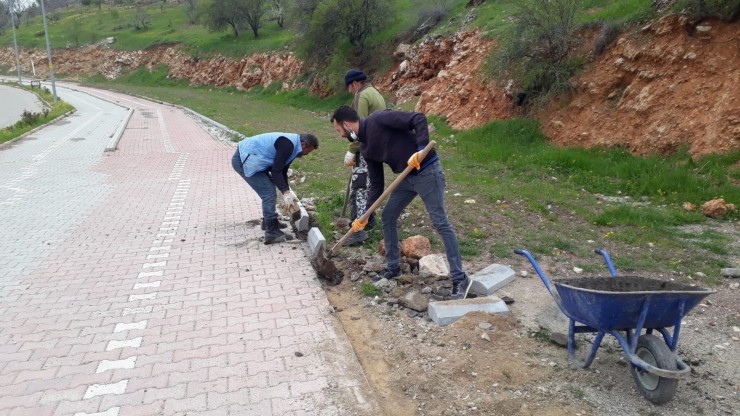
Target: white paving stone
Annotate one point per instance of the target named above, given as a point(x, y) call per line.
point(103, 389)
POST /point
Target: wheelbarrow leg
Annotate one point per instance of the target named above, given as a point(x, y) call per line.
point(572, 345)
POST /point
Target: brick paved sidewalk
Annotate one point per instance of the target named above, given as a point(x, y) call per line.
point(161, 299)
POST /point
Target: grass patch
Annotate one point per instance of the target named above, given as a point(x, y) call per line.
point(370, 291)
point(77, 25)
point(541, 335)
point(642, 216)
point(577, 392)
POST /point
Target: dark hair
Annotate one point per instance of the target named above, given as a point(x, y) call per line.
point(343, 114)
point(310, 140)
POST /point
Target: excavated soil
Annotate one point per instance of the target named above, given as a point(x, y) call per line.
point(627, 284)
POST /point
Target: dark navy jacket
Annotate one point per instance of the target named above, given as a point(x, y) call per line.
point(391, 137)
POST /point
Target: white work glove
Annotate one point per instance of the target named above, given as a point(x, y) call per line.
point(349, 159)
point(290, 202)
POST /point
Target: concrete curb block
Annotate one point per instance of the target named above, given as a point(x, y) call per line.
point(491, 279)
point(113, 142)
point(446, 312)
point(316, 241)
point(210, 121)
point(116, 137)
point(203, 118)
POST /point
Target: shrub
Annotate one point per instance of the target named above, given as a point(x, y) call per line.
point(609, 32)
point(538, 51)
point(728, 10)
point(30, 118)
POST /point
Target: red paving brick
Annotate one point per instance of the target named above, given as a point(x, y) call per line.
point(165, 246)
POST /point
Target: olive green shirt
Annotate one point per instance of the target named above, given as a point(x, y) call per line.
point(367, 101)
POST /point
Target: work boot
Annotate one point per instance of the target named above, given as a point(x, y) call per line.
point(387, 274)
point(460, 288)
point(273, 234)
point(356, 238)
point(282, 225)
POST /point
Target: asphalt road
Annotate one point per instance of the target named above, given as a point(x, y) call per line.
point(13, 101)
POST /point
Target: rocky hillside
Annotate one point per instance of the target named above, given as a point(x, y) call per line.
point(655, 89)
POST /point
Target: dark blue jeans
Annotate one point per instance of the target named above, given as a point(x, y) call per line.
point(429, 184)
point(262, 184)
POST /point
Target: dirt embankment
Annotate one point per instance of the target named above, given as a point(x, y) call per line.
point(250, 71)
point(654, 90)
point(444, 73)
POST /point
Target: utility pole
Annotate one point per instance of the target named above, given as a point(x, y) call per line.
point(48, 53)
point(15, 43)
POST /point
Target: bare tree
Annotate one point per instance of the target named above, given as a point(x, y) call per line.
point(191, 8)
point(278, 11)
point(351, 20)
point(362, 19)
point(222, 13)
point(141, 19)
point(253, 11)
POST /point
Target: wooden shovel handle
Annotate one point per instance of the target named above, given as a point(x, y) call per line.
point(401, 176)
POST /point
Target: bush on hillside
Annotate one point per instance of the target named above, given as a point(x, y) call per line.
point(608, 33)
point(728, 10)
point(336, 21)
point(537, 52)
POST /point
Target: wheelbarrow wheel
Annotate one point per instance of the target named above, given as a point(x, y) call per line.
point(655, 352)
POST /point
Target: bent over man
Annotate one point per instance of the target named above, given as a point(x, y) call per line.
point(263, 162)
point(395, 138)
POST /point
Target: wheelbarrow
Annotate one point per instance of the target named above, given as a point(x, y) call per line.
point(624, 306)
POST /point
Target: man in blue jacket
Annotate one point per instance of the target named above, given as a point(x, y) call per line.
point(263, 162)
point(395, 138)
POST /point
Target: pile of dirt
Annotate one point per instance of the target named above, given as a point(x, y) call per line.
point(627, 284)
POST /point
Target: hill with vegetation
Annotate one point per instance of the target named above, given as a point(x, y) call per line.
point(502, 83)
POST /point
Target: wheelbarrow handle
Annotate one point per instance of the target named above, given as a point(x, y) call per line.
point(392, 187)
point(536, 266)
point(608, 261)
point(553, 291)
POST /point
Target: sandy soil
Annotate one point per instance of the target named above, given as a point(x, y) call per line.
point(509, 365)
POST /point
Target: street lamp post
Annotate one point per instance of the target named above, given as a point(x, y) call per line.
point(48, 53)
point(15, 43)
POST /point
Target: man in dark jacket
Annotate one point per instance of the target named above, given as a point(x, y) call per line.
point(263, 162)
point(395, 138)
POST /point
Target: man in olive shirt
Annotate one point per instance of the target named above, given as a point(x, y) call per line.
point(367, 100)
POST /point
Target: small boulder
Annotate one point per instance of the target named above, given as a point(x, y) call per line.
point(717, 208)
point(414, 300)
point(416, 247)
point(433, 265)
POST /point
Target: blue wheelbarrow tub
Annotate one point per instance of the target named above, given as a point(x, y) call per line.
point(607, 303)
